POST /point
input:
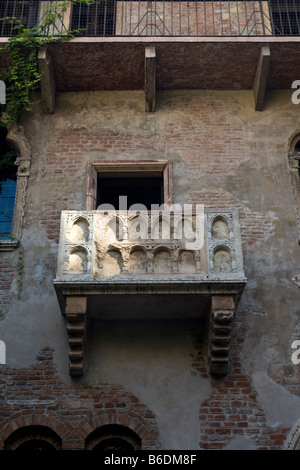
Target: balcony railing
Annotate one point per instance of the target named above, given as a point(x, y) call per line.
point(96, 246)
point(157, 18)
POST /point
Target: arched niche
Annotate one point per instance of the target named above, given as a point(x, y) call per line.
point(184, 229)
point(162, 261)
point(78, 261)
point(186, 262)
point(80, 231)
point(138, 228)
point(220, 229)
point(115, 229)
point(222, 260)
point(112, 263)
point(160, 227)
point(137, 263)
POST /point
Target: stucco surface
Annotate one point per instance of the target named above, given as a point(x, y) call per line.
point(236, 157)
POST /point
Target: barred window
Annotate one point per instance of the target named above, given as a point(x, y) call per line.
point(285, 17)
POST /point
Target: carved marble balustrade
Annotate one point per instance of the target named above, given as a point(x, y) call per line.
point(119, 245)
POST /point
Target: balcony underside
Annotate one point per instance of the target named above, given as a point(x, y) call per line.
point(160, 299)
point(95, 64)
point(213, 304)
point(180, 64)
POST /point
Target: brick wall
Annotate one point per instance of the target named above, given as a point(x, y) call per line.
point(203, 145)
point(36, 396)
point(233, 409)
point(255, 226)
point(8, 272)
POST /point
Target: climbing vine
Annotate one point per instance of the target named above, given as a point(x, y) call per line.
point(22, 75)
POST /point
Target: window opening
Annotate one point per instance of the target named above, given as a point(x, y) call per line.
point(25, 12)
point(138, 190)
point(8, 185)
point(285, 17)
point(96, 19)
point(113, 437)
point(114, 444)
point(36, 444)
point(297, 146)
point(33, 437)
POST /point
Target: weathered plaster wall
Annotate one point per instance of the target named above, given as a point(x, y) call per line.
point(224, 155)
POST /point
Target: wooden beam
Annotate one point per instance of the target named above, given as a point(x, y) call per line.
point(150, 79)
point(260, 81)
point(47, 80)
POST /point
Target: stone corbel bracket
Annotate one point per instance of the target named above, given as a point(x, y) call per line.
point(76, 315)
point(219, 334)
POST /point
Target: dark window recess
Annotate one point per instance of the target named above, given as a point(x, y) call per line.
point(96, 19)
point(35, 444)
point(146, 191)
point(26, 13)
point(114, 443)
point(8, 185)
point(285, 17)
point(113, 437)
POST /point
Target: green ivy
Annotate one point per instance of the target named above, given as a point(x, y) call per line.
point(22, 76)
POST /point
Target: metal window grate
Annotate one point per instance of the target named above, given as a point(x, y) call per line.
point(159, 18)
point(285, 17)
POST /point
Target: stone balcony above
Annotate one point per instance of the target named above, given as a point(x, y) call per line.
point(139, 246)
point(141, 265)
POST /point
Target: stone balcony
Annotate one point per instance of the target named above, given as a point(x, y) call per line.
point(121, 246)
point(141, 265)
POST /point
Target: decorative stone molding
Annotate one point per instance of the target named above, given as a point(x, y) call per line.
point(16, 139)
point(293, 439)
point(117, 244)
point(294, 158)
point(103, 255)
point(296, 280)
